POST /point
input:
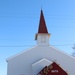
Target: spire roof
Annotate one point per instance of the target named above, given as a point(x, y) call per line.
point(42, 24)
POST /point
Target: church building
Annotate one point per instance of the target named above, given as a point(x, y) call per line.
point(42, 59)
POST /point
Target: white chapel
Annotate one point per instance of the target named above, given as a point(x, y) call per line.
point(42, 59)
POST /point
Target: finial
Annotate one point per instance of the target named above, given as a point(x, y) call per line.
point(41, 7)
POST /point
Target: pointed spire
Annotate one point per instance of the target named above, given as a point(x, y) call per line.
point(42, 24)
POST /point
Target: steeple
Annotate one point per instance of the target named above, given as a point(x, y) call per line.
point(42, 36)
point(42, 24)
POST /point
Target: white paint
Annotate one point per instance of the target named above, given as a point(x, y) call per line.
point(54, 71)
point(39, 65)
point(43, 38)
point(30, 62)
point(22, 63)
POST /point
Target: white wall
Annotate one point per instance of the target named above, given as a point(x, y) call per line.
point(21, 64)
point(43, 39)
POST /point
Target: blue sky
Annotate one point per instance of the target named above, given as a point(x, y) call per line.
point(19, 20)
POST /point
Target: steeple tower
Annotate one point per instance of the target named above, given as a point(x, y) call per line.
point(42, 36)
point(42, 24)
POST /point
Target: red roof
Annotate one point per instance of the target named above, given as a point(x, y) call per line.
point(42, 24)
point(53, 69)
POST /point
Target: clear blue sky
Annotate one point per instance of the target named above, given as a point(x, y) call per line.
point(19, 20)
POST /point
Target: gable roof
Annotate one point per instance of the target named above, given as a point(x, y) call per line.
point(42, 24)
point(11, 57)
point(42, 60)
point(36, 46)
point(52, 69)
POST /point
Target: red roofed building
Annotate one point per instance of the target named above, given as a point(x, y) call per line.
point(42, 59)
